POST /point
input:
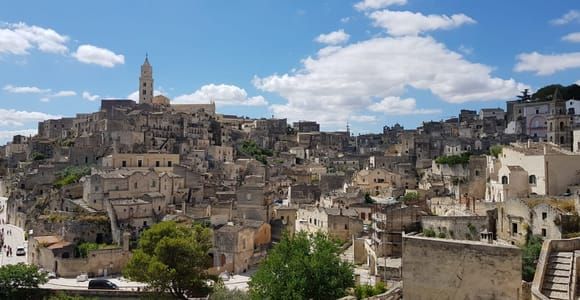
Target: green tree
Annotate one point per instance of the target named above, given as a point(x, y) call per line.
point(20, 281)
point(530, 254)
point(369, 199)
point(495, 150)
point(173, 258)
point(411, 196)
point(303, 266)
point(220, 292)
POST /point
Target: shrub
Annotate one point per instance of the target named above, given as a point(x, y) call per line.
point(454, 159)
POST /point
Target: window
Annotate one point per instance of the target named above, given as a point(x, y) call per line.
point(157, 164)
point(144, 92)
point(514, 228)
point(561, 125)
point(135, 185)
point(544, 215)
point(345, 226)
point(153, 183)
point(504, 180)
point(169, 163)
point(532, 179)
point(544, 232)
point(476, 172)
point(144, 84)
point(124, 164)
point(562, 140)
point(139, 163)
point(537, 111)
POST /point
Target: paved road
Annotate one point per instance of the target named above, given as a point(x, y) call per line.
point(14, 240)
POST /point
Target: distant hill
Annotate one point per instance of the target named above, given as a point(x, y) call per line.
point(567, 92)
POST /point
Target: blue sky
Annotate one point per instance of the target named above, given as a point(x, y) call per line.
point(369, 63)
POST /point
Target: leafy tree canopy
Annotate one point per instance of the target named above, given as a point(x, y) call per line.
point(495, 150)
point(566, 92)
point(530, 255)
point(173, 258)
point(451, 160)
point(303, 266)
point(16, 281)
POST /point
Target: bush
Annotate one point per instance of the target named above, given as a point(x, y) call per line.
point(428, 232)
point(366, 290)
point(495, 150)
point(71, 175)
point(530, 255)
point(454, 159)
point(411, 196)
point(251, 149)
point(442, 235)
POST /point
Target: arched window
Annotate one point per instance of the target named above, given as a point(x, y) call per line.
point(504, 180)
point(532, 179)
point(561, 125)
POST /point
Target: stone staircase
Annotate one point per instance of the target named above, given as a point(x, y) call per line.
point(348, 254)
point(558, 276)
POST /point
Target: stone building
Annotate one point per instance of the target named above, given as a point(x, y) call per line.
point(159, 161)
point(338, 222)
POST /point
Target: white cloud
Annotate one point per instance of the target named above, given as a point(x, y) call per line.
point(397, 106)
point(333, 38)
point(12, 117)
point(88, 96)
point(377, 4)
point(18, 38)
point(7, 135)
point(345, 20)
point(571, 16)
point(90, 54)
point(221, 94)
point(572, 37)
point(64, 94)
point(577, 82)
point(547, 64)
point(343, 82)
point(465, 50)
point(363, 118)
point(399, 23)
point(24, 89)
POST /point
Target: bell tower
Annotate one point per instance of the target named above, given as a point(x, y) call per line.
point(146, 83)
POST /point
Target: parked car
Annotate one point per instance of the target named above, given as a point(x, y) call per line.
point(102, 284)
point(20, 251)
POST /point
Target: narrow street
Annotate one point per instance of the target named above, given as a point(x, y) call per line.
point(13, 237)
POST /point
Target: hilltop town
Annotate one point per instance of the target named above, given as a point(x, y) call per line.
point(444, 211)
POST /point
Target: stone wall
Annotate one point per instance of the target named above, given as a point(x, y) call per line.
point(464, 270)
point(456, 227)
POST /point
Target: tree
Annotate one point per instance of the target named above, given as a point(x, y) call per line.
point(410, 196)
point(303, 266)
point(173, 258)
point(220, 292)
point(495, 150)
point(530, 255)
point(18, 281)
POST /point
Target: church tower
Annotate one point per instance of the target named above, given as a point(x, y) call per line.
point(146, 83)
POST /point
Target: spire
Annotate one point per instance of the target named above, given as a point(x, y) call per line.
point(146, 59)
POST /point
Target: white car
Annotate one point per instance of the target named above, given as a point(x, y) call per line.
point(20, 251)
point(82, 277)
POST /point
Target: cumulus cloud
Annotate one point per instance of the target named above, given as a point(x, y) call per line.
point(339, 83)
point(333, 38)
point(221, 94)
point(58, 94)
point(7, 135)
point(19, 38)
point(571, 16)
point(90, 54)
point(12, 117)
point(547, 64)
point(572, 37)
point(377, 4)
point(363, 118)
point(88, 96)
point(399, 23)
point(397, 106)
point(24, 89)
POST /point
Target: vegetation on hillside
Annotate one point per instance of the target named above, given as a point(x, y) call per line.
point(409, 197)
point(451, 160)
point(303, 266)
point(82, 249)
point(71, 175)
point(366, 290)
point(250, 148)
